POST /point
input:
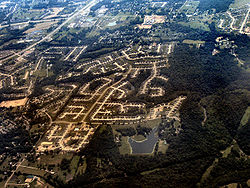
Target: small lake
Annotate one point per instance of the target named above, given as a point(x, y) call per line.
point(112, 24)
point(145, 146)
point(89, 19)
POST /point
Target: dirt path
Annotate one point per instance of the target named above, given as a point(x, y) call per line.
point(205, 116)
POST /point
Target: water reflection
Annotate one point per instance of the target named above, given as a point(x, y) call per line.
point(145, 146)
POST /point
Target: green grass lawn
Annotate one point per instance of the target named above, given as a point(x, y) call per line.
point(24, 14)
point(195, 25)
point(239, 3)
point(193, 42)
point(190, 7)
point(56, 159)
point(125, 147)
point(74, 164)
point(26, 170)
point(245, 118)
point(139, 137)
point(41, 73)
point(82, 168)
point(162, 147)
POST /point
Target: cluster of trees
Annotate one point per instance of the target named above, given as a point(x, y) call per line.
point(13, 34)
point(225, 170)
point(127, 131)
point(71, 37)
point(219, 5)
point(16, 140)
point(196, 70)
point(130, 131)
point(94, 85)
point(143, 130)
point(47, 4)
point(243, 138)
point(126, 169)
point(136, 82)
point(243, 47)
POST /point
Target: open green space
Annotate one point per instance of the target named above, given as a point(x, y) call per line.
point(82, 168)
point(54, 159)
point(139, 137)
point(25, 14)
point(74, 164)
point(193, 42)
point(31, 171)
point(116, 21)
point(189, 7)
point(162, 147)
point(196, 24)
point(239, 3)
point(246, 117)
point(125, 146)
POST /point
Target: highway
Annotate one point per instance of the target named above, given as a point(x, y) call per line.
point(31, 21)
point(81, 11)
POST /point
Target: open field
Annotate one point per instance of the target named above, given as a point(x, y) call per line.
point(198, 43)
point(40, 26)
point(239, 3)
point(54, 12)
point(56, 159)
point(14, 103)
point(162, 147)
point(110, 22)
point(193, 42)
point(189, 7)
point(74, 164)
point(196, 25)
point(125, 147)
point(245, 118)
point(31, 170)
point(21, 14)
point(115, 21)
point(138, 137)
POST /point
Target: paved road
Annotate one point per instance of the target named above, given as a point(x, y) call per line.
point(18, 165)
point(244, 22)
point(103, 93)
point(31, 21)
point(233, 20)
point(81, 11)
point(11, 11)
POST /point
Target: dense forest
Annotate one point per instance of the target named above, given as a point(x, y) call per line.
point(219, 5)
point(16, 139)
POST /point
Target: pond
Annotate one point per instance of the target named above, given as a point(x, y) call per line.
point(112, 24)
point(145, 146)
point(89, 19)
